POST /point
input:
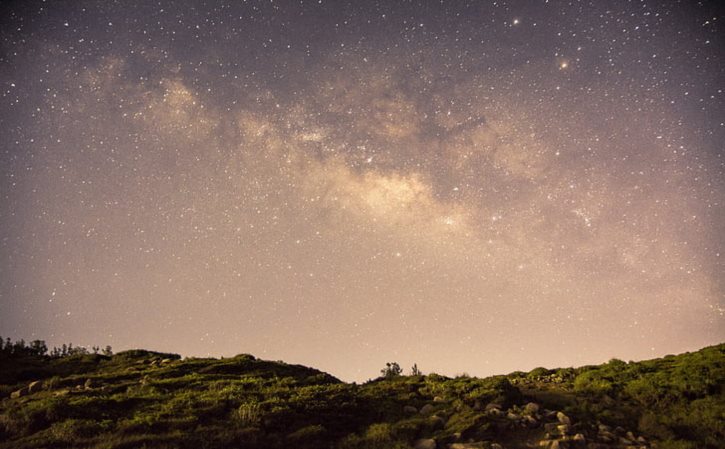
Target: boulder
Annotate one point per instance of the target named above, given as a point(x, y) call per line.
point(563, 429)
point(563, 418)
point(512, 416)
point(425, 443)
point(19, 393)
point(410, 409)
point(35, 387)
point(427, 409)
point(492, 406)
point(438, 399)
point(531, 408)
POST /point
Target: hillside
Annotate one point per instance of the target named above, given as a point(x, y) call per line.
point(147, 399)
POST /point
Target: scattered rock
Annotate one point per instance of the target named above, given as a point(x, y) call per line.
point(493, 406)
point(89, 384)
point(531, 408)
point(425, 443)
point(19, 393)
point(427, 409)
point(563, 418)
point(35, 387)
point(438, 399)
point(551, 427)
point(563, 429)
point(512, 416)
point(410, 409)
point(165, 361)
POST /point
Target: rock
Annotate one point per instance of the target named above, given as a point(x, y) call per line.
point(35, 387)
point(606, 436)
point(625, 441)
point(425, 443)
point(630, 436)
point(410, 409)
point(530, 421)
point(493, 406)
point(165, 361)
point(563, 418)
point(531, 408)
point(544, 443)
point(437, 422)
point(477, 445)
point(438, 399)
point(604, 428)
point(494, 412)
point(641, 440)
point(89, 384)
point(551, 427)
point(19, 393)
point(427, 409)
point(579, 440)
point(563, 429)
point(64, 392)
point(512, 416)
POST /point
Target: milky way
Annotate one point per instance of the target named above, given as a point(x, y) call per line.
point(477, 187)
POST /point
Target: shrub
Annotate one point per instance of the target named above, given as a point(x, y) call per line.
point(249, 414)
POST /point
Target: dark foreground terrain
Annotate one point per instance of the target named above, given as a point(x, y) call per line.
point(138, 399)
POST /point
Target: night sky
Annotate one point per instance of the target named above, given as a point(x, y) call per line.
point(476, 186)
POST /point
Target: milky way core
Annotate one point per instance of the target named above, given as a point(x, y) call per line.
point(476, 187)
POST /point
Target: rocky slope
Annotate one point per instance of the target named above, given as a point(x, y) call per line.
point(154, 400)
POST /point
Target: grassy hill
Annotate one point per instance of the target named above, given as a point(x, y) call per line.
point(147, 399)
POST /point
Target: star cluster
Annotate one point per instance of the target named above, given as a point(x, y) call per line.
point(473, 186)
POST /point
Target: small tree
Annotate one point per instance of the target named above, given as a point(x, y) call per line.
point(392, 369)
point(107, 350)
point(415, 371)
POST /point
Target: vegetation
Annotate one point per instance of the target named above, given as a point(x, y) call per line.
point(155, 400)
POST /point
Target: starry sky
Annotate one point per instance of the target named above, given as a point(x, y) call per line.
point(475, 186)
